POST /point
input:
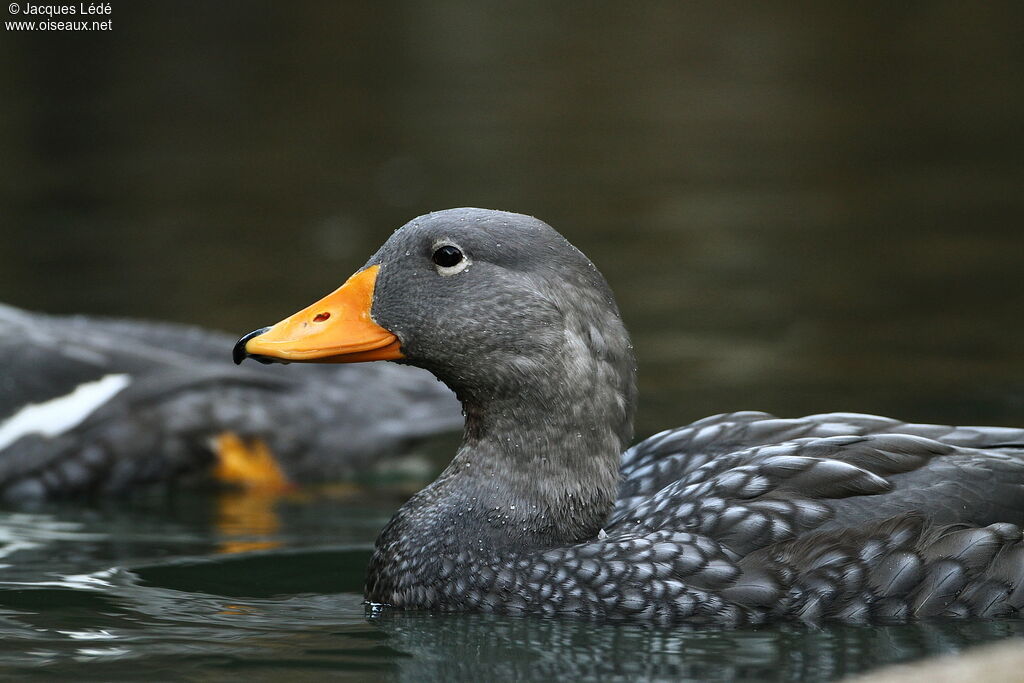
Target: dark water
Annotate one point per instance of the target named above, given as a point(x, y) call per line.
point(155, 591)
point(802, 207)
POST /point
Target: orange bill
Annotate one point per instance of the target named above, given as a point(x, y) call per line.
point(336, 329)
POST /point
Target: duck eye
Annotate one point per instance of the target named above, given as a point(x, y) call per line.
point(447, 256)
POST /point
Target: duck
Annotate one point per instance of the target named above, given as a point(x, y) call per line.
point(737, 519)
point(93, 406)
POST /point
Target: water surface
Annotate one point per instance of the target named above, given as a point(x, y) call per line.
point(152, 591)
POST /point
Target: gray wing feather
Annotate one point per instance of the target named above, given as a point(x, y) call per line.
point(672, 455)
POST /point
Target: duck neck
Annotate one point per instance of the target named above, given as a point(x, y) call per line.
point(544, 471)
point(538, 467)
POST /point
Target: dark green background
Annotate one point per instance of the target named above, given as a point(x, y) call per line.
point(802, 206)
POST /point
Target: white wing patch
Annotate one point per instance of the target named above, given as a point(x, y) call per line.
point(58, 415)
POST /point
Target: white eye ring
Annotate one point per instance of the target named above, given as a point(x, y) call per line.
point(446, 249)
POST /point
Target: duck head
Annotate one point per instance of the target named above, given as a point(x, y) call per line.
point(499, 306)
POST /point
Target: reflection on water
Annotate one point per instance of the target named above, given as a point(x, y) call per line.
point(298, 609)
point(801, 206)
point(247, 520)
point(482, 647)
